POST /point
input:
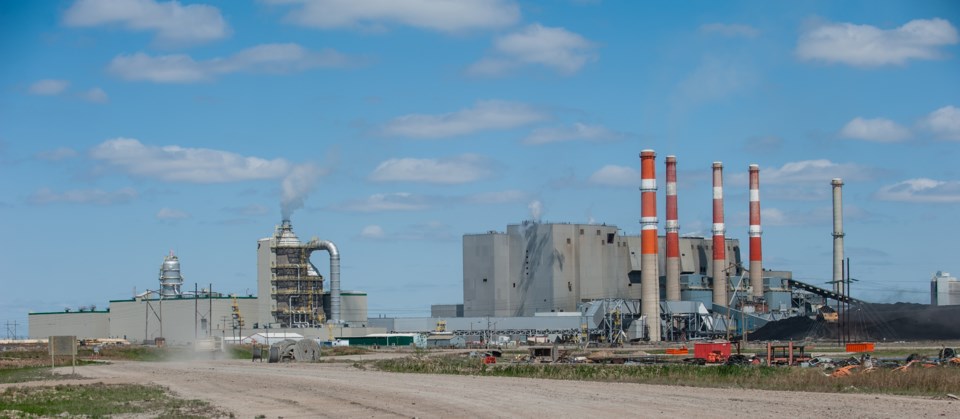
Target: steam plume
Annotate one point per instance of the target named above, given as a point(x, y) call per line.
point(296, 186)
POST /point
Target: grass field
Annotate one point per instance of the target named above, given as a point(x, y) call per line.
point(100, 400)
point(919, 381)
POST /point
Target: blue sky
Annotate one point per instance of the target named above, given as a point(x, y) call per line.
point(129, 128)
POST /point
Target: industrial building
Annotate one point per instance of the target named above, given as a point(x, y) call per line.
point(291, 295)
point(944, 290)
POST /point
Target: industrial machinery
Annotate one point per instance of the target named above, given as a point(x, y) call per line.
point(170, 279)
point(287, 350)
point(296, 286)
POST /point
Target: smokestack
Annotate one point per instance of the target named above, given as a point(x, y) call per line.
point(673, 233)
point(719, 239)
point(649, 275)
point(756, 252)
point(837, 235)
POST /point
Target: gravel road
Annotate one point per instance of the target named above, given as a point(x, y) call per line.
point(340, 390)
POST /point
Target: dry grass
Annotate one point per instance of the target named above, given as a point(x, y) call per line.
point(920, 381)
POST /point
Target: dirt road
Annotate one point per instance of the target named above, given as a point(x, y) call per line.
point(340, 390)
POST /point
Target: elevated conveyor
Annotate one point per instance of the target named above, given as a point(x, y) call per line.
point(793, 283)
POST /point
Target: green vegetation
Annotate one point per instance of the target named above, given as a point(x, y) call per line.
point(22, 375)
point(100, 400)
point(917, 381)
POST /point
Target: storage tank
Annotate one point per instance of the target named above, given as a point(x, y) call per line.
point(170, 278)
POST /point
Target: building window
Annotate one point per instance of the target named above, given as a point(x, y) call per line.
point(598, 232)
point(568, 240)
point(610, 237)
point(581, 231)
point(484, 279)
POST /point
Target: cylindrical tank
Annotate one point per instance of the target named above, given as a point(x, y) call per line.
point(170, 278)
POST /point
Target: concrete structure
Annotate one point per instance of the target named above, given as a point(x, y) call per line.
point(649, 248)
point(720, 273)
point(755, 231)
point(672, 228)
point(179, 320)
point(82, 324)
point(837, 235)
point(446, 310)
point(535, 267)
point(944, 290)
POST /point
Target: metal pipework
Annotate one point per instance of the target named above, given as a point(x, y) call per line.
point(837, 235)
point(719, 239)
point(756, 252)
point(334, 276)
point(649, 275)
point(672, 227)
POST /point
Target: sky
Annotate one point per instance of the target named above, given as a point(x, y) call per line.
point(129, 128)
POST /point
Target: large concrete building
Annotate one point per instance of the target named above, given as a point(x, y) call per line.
point(534, 268)
point(944, 290)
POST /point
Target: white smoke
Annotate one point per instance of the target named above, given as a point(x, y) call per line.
point(536, 210)
point(296, 186)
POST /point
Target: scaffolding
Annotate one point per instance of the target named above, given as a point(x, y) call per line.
point(296, 287)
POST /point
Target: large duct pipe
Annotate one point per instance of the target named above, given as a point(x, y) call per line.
point(334, 277)
point(673, 232)
point(719, 239)
point(756, 252)
point(649, 275)
point(837, 235)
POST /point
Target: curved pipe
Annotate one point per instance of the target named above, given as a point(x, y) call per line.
point(334, 276)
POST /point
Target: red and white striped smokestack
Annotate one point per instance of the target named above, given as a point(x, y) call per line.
point(673, 233)
point(719, 239)
point(756, 252)
point(649, 269)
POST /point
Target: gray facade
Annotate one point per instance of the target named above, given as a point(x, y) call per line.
point(944, 290)
point(82, 324)
point(446, 310)
point(535, 268)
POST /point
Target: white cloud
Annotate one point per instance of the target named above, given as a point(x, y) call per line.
point(484, 116)
point(399, 201)
point(178, 164)
point(715, 78)
point(168, 214)
point(730, 30)
point(173, 22)
point(921, 190)
point(500, 197)
point(95, 95)
point(48, 87)
point(372, 232)
point(613, 175)
point(372, 15)
point(45, 196)
point(454, 170)
point(575, 132)
point(878, 129)
point(869, 46)
point(555, 48)
point(944, 123)
point(266, 58)
point(61, 153)
point(811, 171)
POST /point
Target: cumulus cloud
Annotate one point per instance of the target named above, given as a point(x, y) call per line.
point(398, 201)
point(375, 15)
point(179, 164)
point(612, 175)
point(812, 171)
point(46, 196)
point(453, 170)
point(921, 190)
point(261, 59)
point(878, 129)
point(95, 95)
point(483, 116)
point(944, 123)
point(715, 78)
point(60, 153)
point(373, 232)
point(576, 132)
point(730, 30)
point(558, 49)
point(172, 22)
point(48, 87)
point(869, 46)
point(170, 214)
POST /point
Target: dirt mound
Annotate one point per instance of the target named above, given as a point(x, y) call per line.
point(872, 322)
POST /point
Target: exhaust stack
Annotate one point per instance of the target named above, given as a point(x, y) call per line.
point(756, 252)
point(649, 275)
point(719, 239)
point(673, 232)
point(837, 235)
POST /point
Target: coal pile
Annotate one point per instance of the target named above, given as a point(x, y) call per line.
point(872, 322)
